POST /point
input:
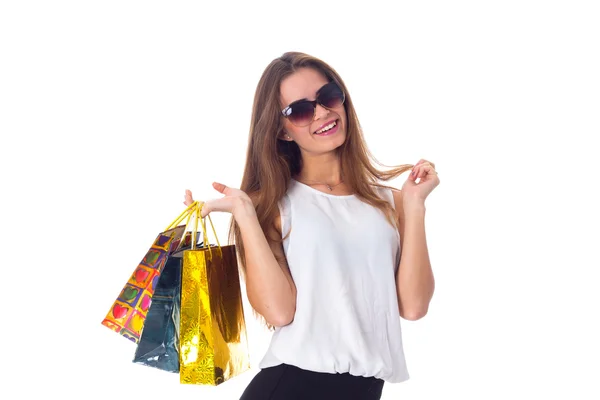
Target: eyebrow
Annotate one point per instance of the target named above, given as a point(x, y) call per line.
point(318, 91)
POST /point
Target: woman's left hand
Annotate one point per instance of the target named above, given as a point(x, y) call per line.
point(414, 194)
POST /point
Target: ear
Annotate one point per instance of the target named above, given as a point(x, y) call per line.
point(284, 136)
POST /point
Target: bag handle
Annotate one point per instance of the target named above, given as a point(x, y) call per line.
point(195, 210)
point(197, 214)
point(181, 216)
point(186, 213)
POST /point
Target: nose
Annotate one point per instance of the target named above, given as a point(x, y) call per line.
point(321, 112)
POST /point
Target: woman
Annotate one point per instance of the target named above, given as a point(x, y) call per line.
point(319, 240)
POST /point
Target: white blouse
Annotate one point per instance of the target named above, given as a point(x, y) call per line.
point(343, 255)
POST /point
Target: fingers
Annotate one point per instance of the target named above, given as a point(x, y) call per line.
point(418, 172)
point(219, 187)
point(423, 161)
point(224, 204)
point(205, 210)
point(224, 189)
point(416, 168)
point(425, 170)
point(422, 169)
point(188, 199)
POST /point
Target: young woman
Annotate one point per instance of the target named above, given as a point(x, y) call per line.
point(331, 258)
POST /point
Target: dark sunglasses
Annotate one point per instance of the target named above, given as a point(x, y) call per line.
point(302, 112)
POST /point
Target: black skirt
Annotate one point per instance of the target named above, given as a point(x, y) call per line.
point(292, 383)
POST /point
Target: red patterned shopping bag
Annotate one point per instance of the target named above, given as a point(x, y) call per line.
point(128, 312)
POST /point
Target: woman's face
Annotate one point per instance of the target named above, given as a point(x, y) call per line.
point(304, 84)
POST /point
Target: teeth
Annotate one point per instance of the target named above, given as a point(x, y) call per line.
point(328, 127)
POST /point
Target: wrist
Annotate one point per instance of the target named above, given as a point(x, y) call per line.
point(414, 210)
point(243, 210)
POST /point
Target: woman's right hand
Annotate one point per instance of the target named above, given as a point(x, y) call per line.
point(235, 201)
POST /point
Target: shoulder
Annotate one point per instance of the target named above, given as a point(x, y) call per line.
point(396, 197)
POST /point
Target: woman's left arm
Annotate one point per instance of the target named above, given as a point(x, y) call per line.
point(414, 280)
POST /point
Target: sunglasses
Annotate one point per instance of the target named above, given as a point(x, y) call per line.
point(302, 112)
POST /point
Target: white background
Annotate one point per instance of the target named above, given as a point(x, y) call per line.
point(109, 110)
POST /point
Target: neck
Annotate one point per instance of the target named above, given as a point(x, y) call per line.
point(322, 169)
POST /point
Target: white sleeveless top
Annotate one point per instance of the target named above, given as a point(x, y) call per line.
point(343, 255)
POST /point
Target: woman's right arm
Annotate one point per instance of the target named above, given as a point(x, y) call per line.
point(269, 284)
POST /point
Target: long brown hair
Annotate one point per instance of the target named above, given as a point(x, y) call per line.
point(271, 163)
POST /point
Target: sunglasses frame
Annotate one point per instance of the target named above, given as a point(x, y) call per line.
point(287, 111)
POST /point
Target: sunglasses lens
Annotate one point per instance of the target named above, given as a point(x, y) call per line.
point(301, 113)
point(331, 96)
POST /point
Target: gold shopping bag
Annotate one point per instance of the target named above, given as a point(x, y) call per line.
point(213, 342)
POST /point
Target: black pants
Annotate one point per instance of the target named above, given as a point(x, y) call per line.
point(292, 383)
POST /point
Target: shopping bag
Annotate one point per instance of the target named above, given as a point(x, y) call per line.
point(128, 312)
point(213, 344)
point(158, 346)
